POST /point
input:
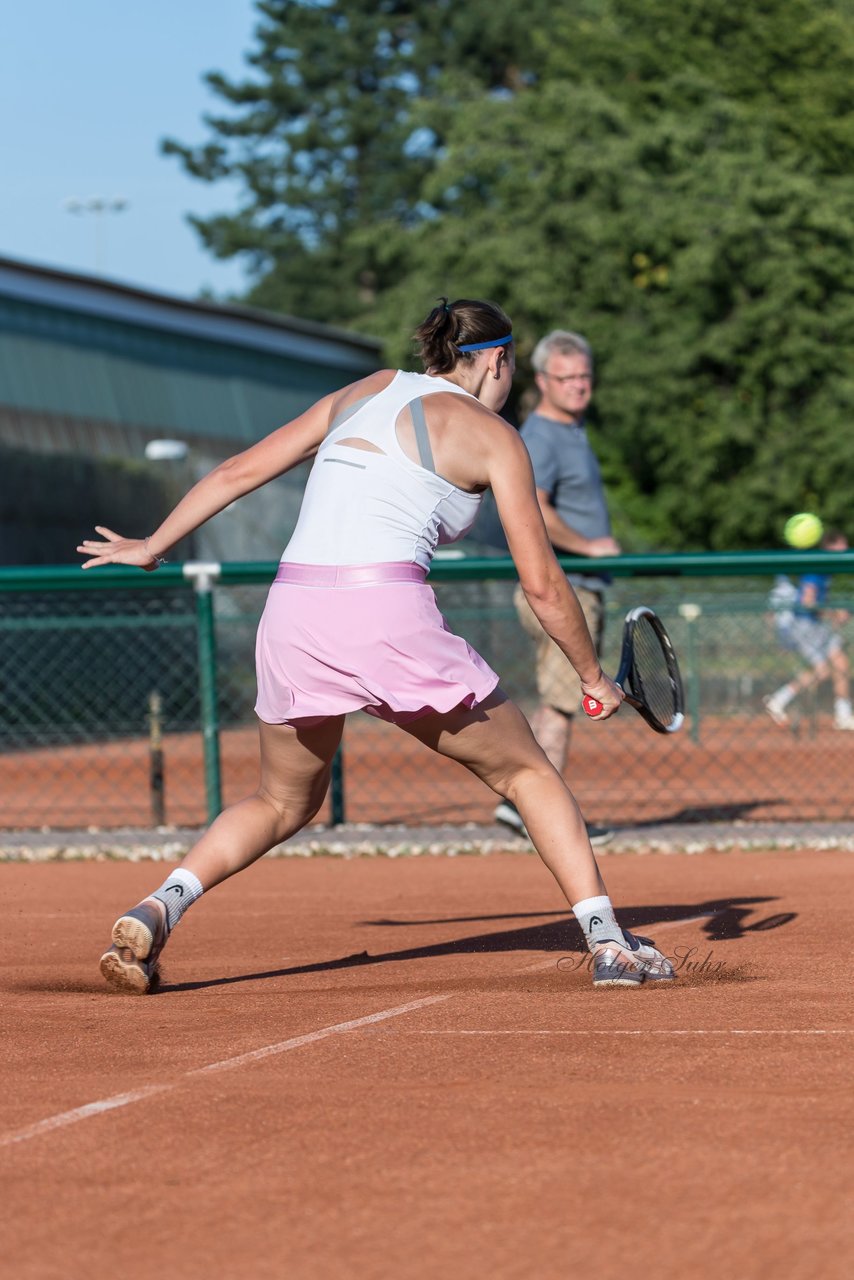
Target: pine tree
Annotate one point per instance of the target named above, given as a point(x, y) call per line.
point(335, 131)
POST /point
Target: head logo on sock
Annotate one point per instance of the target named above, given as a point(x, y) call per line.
point(177, 888)
point(593, 920)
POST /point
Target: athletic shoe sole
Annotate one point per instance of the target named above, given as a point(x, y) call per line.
point(134, 931)
point(125, 973)
point(138, 937)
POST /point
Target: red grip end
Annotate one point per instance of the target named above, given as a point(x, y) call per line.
point(591, 706)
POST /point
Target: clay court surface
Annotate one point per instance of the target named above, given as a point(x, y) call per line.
point(621, 773)
point(378, 1069)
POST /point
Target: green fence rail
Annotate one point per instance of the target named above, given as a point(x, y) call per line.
point(126, 698)
point(448, 567)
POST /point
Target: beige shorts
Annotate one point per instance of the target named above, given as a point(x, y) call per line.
point(557, 680)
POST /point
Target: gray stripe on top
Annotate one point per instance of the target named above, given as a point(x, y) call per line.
point(422, 436)
point(345, 414)
point(345, 463)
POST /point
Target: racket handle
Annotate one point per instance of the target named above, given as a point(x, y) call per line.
point(591, 706)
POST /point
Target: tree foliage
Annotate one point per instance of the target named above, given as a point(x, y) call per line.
point(674, 180)
point(326, 135)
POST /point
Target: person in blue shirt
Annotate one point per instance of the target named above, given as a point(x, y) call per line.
point(811, 631)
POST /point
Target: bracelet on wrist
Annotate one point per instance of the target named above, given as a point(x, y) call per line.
point(159, 560)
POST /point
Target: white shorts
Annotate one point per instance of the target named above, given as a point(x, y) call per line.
point(812, 640)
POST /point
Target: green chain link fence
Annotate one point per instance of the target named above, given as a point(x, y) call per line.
point(126, 700)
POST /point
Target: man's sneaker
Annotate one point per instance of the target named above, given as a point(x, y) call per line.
point(775, 710)
point(843, 722)
point(139, 936)
point(629, 963)
point(509, 816)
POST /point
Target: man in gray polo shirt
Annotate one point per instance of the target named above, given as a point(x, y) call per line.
point(572, 500)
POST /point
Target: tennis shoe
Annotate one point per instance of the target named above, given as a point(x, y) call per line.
point(509, 816)
point(138, 938)
point(629, 963)
point(844, 722)
point(775, 711)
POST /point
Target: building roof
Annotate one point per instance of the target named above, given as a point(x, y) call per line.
point(81, 346)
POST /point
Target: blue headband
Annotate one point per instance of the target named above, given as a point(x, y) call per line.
point(481, 346)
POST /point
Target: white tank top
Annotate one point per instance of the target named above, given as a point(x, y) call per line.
point(361, 507)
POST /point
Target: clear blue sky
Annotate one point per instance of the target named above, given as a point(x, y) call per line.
point(87, 90)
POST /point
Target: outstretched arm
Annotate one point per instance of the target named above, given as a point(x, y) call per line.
point(273, 456)
point(541, 577)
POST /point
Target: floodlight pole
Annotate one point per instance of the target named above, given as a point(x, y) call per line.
point(98, 205)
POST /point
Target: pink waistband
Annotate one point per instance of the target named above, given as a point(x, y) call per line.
point(349, 575)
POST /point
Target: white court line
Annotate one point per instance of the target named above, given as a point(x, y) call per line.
point(255, 1055)
point(83, 1113)
point(66, 1118)
point(575, 1031)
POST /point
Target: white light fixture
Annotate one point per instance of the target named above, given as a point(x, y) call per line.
point(97, 205)
point(166, 450)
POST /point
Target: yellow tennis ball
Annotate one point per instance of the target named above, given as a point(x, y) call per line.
point(803, 530)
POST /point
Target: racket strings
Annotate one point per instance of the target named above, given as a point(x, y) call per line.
point(651, 672)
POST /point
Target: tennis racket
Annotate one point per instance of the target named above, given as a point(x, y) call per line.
point(649, 673)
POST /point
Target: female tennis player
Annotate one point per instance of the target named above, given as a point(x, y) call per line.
point(401, 461)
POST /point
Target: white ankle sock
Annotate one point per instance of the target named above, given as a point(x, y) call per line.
point(178, 893)
point(597, 919)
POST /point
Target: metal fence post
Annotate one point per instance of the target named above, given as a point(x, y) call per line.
point(691, 613)
point(203, 576)
point(155, 759)
point(336, 787)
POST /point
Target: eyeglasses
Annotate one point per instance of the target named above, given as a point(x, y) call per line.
point(569, 377)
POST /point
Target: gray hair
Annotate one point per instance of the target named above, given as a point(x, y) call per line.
point(563, 342)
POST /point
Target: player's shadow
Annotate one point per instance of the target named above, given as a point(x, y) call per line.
point(724, 919)
point(696, 814)
point(720, 920)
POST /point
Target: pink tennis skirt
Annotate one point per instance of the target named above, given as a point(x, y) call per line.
point(361, 637)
